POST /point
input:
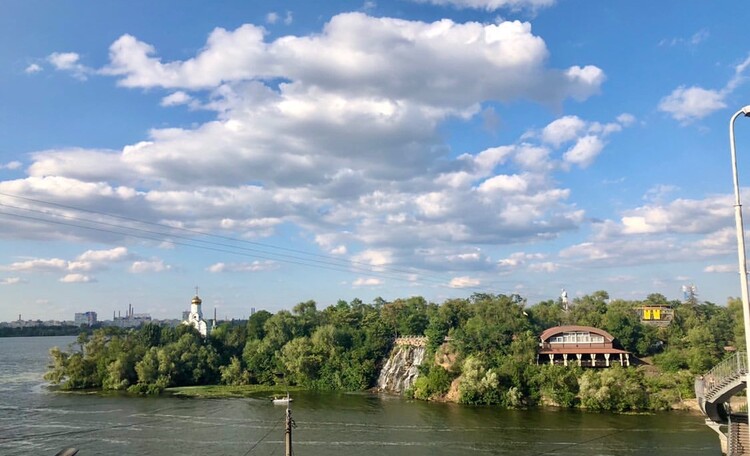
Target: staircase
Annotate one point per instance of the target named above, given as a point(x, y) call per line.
point(738, 435)
point(713, 390)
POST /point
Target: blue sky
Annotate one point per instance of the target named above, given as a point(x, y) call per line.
point(275, 152)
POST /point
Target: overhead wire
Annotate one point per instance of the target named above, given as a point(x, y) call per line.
point(264, 437)
point(317, 261)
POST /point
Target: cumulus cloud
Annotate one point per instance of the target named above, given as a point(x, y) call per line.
point(150, 266)
point(11, 165)
point(355, 55)
point(69, 62)
point(11, 281)
point(104, 256)
point(338, 134)
point(678, 231)
point(367, 282)
point(90, 260)
point(254, 266)
point(584, 152)
point(274, 17)
point(464, 282)
point(688, 104)
point(493, 5)
point(33, 68)
point(546, 266)
point(38, 265)
point(176, 98)
point(77, 278)
point(721, 268)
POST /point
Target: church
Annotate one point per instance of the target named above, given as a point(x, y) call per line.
point(195, 317)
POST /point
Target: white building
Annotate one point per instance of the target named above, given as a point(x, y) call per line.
point(195, 318)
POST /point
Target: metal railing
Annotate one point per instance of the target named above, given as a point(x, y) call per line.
point(724, 373)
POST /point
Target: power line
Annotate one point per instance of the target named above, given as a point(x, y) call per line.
point(325, 262)
point(264, 437)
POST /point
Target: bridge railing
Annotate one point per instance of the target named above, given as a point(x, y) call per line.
point(723, 373)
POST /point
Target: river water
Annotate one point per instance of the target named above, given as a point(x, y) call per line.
point(36, 421)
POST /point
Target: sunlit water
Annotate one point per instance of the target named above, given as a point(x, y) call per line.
point(36, 421)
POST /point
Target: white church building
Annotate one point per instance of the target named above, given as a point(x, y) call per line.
point(195, 317)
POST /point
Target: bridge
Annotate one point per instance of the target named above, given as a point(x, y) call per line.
point(713, 390)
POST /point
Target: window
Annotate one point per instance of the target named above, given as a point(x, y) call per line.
point(576, 337)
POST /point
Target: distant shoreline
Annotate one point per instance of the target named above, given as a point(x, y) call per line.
point(43, 331)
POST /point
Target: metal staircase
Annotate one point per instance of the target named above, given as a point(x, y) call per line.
point(713, 390)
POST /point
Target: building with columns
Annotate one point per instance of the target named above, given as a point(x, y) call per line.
point(585, 346)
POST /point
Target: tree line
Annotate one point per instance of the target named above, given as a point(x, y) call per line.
point(481, 350)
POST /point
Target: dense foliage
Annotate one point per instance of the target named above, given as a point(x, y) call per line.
point(481, 350)
point(34, 331)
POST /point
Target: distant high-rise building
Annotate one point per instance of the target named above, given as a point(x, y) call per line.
point(85, 318)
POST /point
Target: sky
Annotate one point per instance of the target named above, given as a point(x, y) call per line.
point(270, 153)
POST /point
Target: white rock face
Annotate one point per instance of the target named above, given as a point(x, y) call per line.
point(401, 369)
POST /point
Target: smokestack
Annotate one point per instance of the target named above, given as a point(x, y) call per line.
point(214, 315)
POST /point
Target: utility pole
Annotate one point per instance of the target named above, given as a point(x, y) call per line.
point(288, 429)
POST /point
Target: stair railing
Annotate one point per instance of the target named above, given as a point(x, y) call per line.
point(732, 368)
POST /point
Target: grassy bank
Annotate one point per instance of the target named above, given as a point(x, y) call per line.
point(225, 391)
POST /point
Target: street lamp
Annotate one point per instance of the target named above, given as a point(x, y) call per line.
point(741, 247)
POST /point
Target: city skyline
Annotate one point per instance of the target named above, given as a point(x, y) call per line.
point(277, 152)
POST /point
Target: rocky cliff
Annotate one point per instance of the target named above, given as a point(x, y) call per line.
point(401, 369)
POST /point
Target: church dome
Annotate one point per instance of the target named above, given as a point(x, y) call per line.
point(197, 300)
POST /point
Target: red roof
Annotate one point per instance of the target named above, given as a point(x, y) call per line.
point(575, 328)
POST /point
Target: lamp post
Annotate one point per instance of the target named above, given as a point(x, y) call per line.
point(741, 247)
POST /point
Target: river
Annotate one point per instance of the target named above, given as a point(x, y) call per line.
point(37, 421)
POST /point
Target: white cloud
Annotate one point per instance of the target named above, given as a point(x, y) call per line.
point(354, 55)
point(141, 267)
point(69, 62)
point(38, 265)
point(11, 165)
point(687, 104)
point(492, 5)
point(87, 261)
point(33, 68)
point(679, 216)
point(697, 38)
point(546, 266)
point(255, 266)
point(721, 268)
point(367, 282)
point(584, 152)
point(104, 256)
point(374, 257)
point(272, 17)
point(344, 148)
point(464, 282)
point(563, 130)
point(176, 98)
point(11, 281)
point(77, 278)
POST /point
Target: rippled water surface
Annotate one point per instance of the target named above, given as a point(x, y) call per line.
point(36, 421)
